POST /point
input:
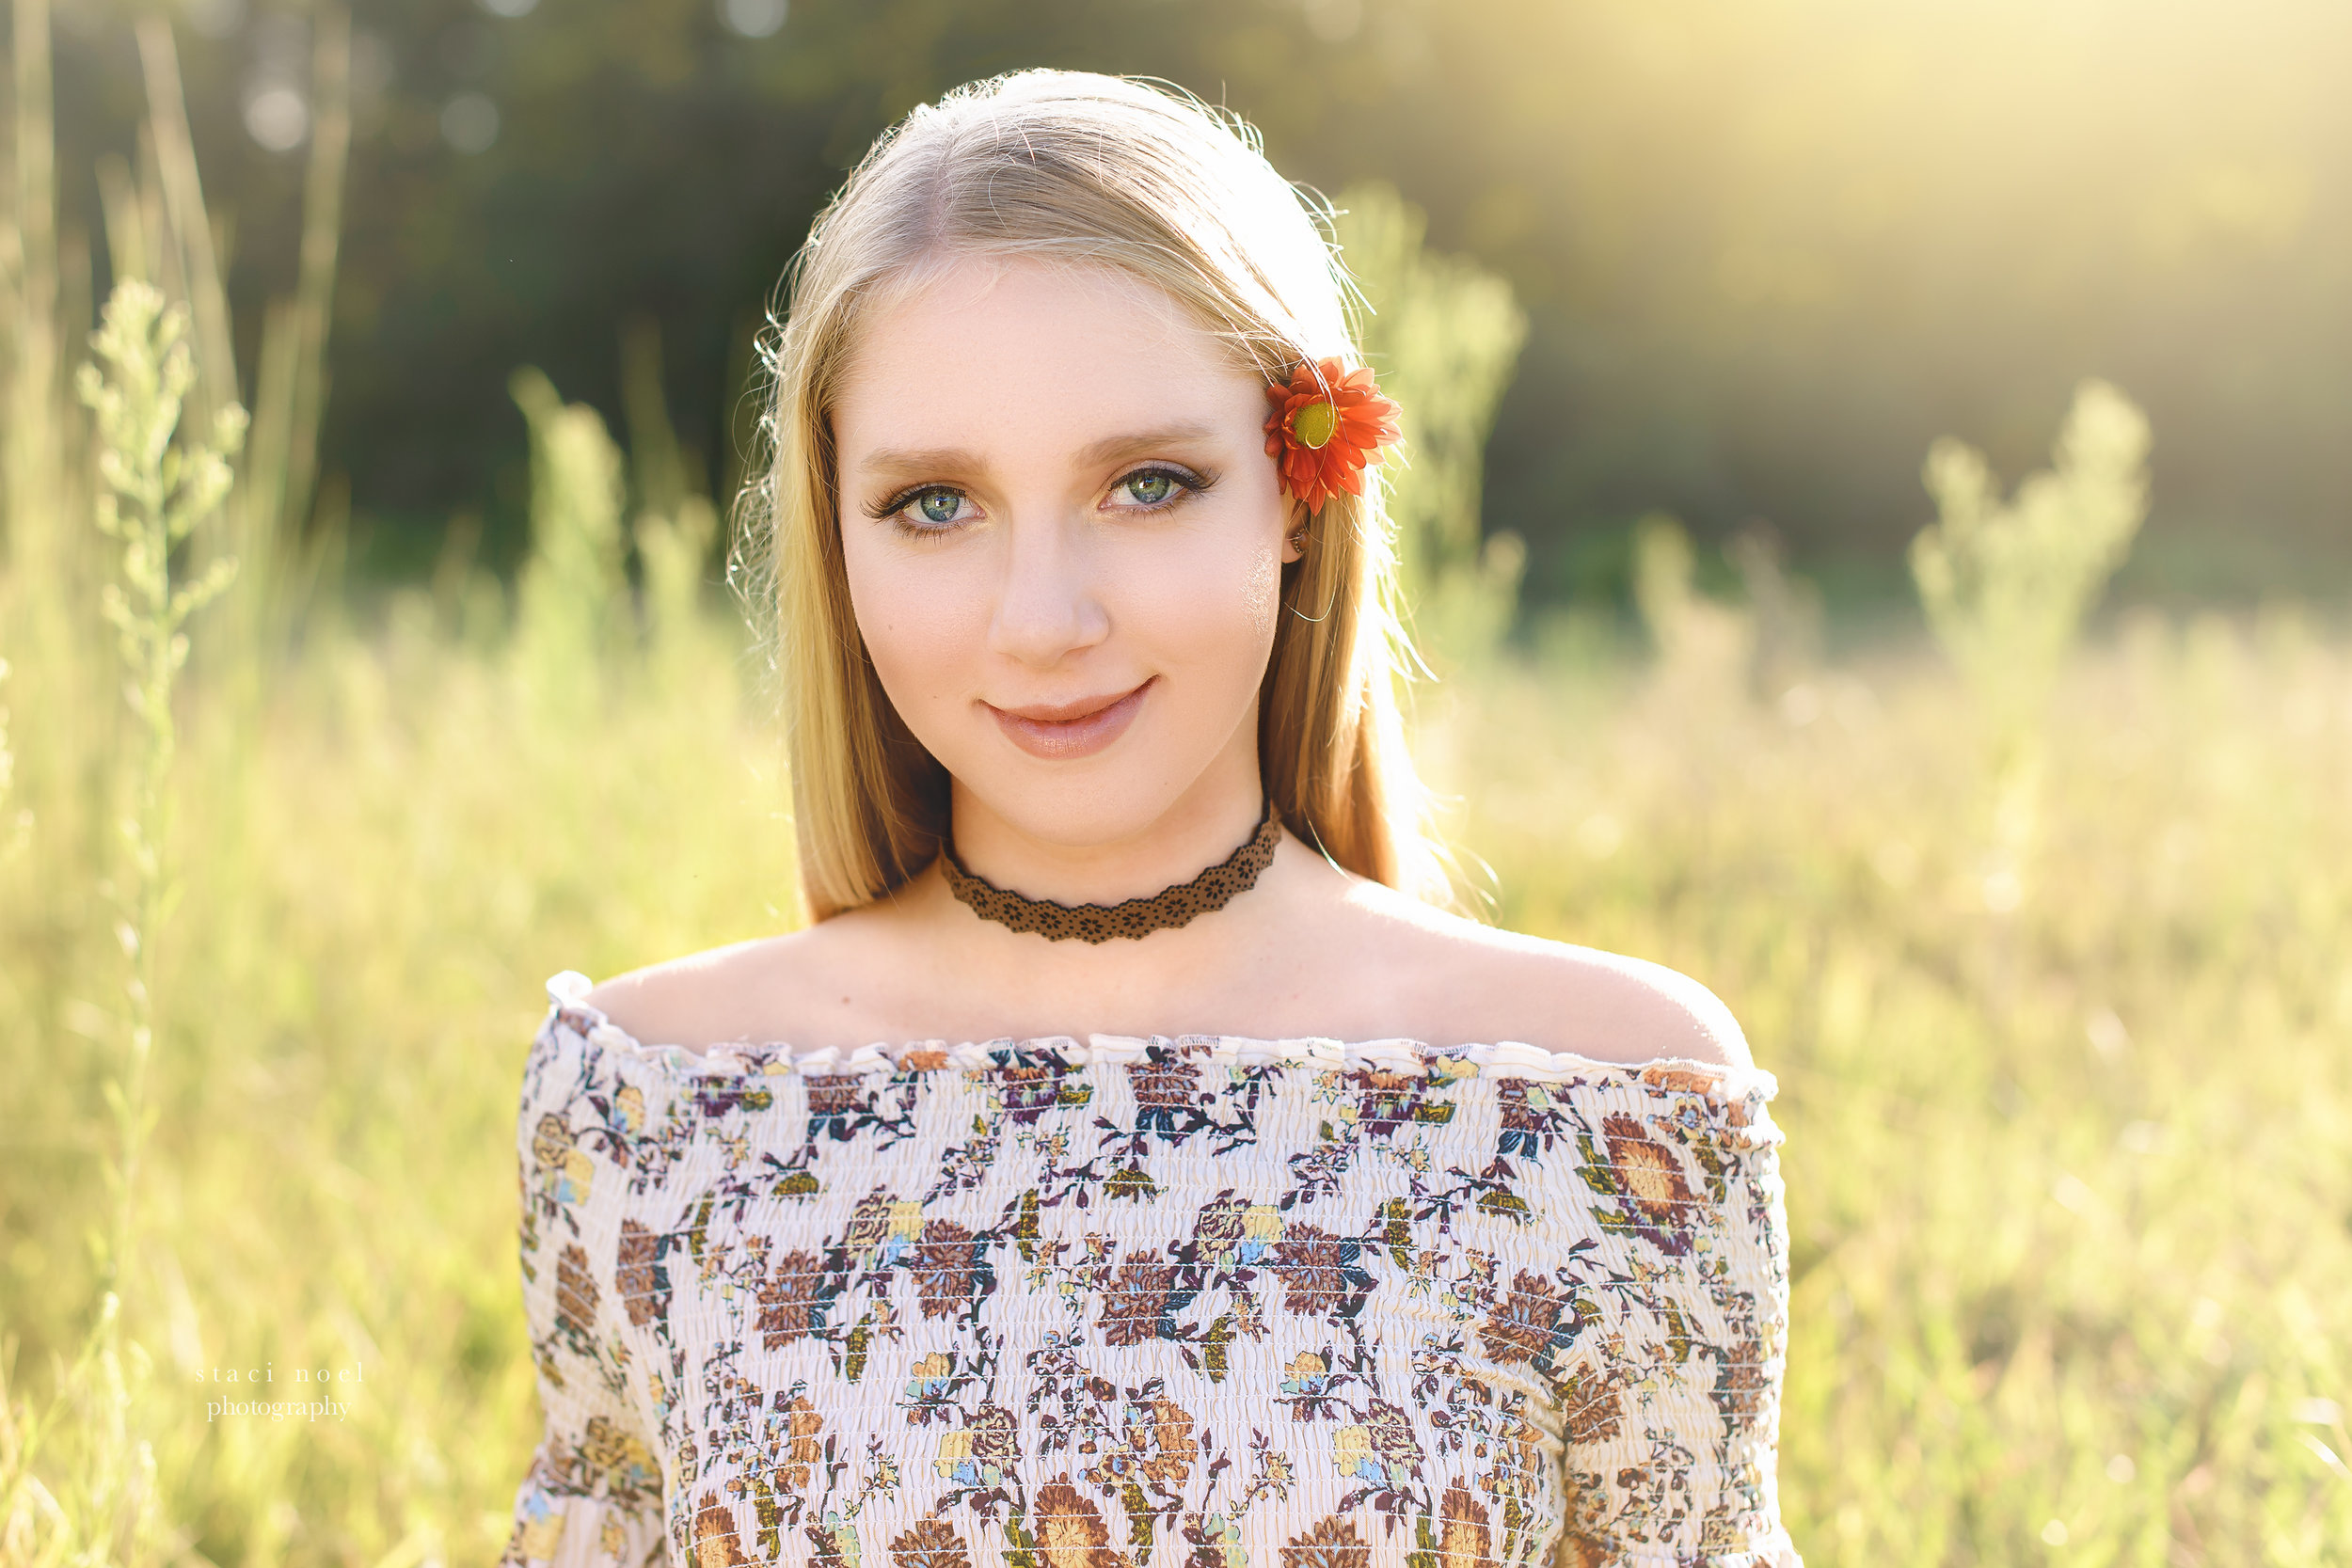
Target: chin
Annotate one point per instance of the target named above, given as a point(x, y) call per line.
point(1058, 805)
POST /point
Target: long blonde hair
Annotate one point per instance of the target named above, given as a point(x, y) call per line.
point(1101, 170)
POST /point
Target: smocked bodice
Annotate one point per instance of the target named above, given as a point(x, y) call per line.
point(1198, 1302)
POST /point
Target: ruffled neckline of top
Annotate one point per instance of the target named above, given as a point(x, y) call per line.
point(568, 993)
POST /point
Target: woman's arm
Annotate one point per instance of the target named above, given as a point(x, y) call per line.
point(593, 1495)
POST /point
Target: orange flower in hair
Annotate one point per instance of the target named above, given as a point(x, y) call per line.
point(1326, 425)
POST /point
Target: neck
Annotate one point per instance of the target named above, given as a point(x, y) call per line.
point(1200, 828)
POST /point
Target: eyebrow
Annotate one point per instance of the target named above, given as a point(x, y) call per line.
point(932, 460)
point(1112, 447)
point(951, 460)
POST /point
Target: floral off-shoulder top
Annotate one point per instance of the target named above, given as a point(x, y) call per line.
point(1169, 1303)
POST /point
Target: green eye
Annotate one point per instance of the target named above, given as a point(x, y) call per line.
point(938, 506)
point(1150, 489)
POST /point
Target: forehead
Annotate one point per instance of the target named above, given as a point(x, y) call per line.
point(1022, 350)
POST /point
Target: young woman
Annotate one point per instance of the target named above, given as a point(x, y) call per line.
point(1079, 578)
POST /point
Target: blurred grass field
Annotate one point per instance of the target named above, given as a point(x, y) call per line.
point(2049, 942)
point(2069, 1143)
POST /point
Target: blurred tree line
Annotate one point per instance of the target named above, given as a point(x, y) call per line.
point(1766, 251)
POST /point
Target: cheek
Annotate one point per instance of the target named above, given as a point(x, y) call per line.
point(922, 623)
point(1206, 604)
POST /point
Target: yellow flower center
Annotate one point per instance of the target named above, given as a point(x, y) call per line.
point(1650, 1183)
point(1315, 424)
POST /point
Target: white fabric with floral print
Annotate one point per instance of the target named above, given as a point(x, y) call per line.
point(1195, 1303)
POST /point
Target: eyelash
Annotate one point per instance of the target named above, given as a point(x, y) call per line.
point(1187, 482)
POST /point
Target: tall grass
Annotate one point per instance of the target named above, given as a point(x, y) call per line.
point(2070, 1153)
point(77, 1476)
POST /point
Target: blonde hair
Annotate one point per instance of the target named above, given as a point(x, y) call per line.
point(1104, 171)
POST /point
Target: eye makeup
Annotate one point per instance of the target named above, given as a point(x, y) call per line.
point(1182, 485)
point(916, 507)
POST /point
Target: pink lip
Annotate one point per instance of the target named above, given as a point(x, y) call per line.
point(1066, 731)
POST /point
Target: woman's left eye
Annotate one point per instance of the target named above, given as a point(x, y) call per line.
point(1152, 488)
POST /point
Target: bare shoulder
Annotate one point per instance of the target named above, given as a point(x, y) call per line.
point(1477, 983)
point(737, 993)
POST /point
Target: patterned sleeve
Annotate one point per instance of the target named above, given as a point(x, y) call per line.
point(1670, 1418)
point(593, 1496)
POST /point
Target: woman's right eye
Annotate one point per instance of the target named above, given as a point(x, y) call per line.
point(929, 510)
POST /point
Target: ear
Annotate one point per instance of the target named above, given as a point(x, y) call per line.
point(1294, 538)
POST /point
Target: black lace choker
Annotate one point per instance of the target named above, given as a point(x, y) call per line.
point(1166, 909)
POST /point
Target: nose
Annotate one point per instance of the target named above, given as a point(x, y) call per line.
point(1047, 608)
